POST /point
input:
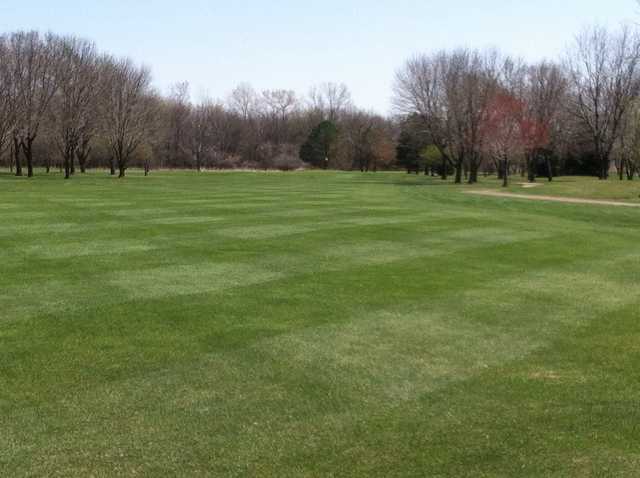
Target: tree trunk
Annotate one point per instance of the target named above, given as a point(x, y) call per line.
point(458, 179)
point(67, 167)
point(630, 170)
point(474, 175)
point(549, 170)
point(443, 173)
point(604, 167)
point(499, 169)
point(474, 166)
point(121, 167)
point(68, 160)
point(505, 173)
point(531, 167)
point(16, 156)
point(28, 154)
point(621, 169)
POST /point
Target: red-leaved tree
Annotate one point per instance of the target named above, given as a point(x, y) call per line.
point(502, 127)
point(508, 132)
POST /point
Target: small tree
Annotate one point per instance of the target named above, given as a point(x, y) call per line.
point(317, 150)
point(408, 152)
point(502, 131)
point(433, 159)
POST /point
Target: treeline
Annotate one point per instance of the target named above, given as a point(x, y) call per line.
point(64, 104)
point(467, 111)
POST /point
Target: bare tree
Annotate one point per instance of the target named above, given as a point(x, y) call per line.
point(34, 62)
point(545, 99)
point(330, 99)
point(7, 95)
point(179, 112)
point(627, 147)
point(470, 83)
point(603, 73)
point(449, 92)
point(129, 108)
point(244, 101)
point(201, 130)
point(73, 104)
point(418, 93)
point(278, 105)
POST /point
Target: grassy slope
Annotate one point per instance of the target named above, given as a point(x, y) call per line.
point(313, 324)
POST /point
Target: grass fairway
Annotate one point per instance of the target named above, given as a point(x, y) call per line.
point(314, 324)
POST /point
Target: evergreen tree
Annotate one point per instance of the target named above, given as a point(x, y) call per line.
point(408, 151)
point(318, 148)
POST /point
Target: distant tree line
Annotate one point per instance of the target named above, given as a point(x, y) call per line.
point(459, 113)
point(65, 105)
point(464, 112)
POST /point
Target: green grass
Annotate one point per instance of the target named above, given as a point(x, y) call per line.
point(315, 324)
point(581, 187)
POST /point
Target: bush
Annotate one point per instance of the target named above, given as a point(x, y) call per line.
point(286, 162)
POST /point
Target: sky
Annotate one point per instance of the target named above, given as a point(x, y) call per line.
point(215, 45)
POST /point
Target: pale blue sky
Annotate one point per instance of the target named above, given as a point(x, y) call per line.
point(293, 44)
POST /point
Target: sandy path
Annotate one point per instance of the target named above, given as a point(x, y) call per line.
point(537, 197)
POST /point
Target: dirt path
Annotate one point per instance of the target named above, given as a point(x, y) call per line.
point(537, 197)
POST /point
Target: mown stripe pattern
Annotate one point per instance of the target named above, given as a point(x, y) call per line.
point(313, 324)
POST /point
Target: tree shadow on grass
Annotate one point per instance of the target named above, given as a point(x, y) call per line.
point(395, 182)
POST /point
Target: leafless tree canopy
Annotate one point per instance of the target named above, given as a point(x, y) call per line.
point(79, 86)
point(576, 108)
point(331, 100)
point(603, 77)
point(129, 108)
point(457, 112)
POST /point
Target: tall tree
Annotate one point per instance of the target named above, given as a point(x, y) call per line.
point(179, 112)
point(35, 62)
point(545, 96)
point(200, 131)
point(78, 75)
point(129, 108)
point(419, 93)
point(502, 131)
point(603, 74)
point(7, 94)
